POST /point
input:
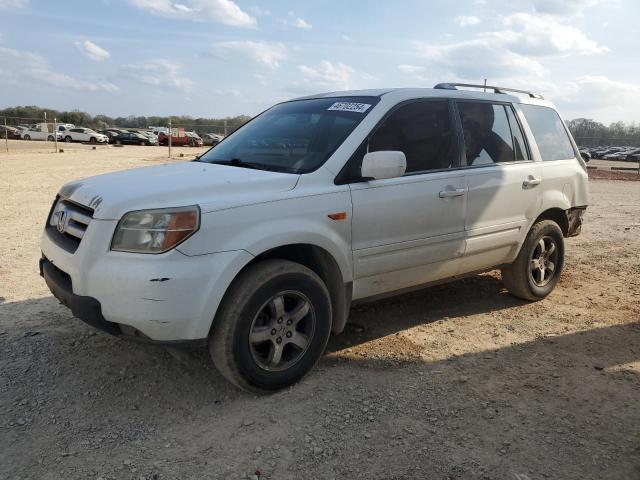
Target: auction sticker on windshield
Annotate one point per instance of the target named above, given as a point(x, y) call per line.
point(350, 107)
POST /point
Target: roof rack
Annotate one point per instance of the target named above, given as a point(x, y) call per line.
point(453, 86)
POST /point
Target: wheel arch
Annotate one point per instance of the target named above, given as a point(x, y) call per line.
point(557, 215)
point(321, 262)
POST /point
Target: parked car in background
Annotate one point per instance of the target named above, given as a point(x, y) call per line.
point(111, 133)
point(632, 155)
point(194, 139)
point(153, 138)
point(180, 138)
point(211, 138)
point(40, 132)
point(80, 134)
point(11, 133)
point(20, 129)
point(259, 247)
point(133, 138)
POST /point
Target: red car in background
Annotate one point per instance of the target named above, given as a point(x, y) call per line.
point(180, 138)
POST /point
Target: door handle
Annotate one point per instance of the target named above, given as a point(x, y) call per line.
point(531, 182)
point(458, 192)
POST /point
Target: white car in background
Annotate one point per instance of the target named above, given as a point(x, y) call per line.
point(36, 133)
point(80, 134)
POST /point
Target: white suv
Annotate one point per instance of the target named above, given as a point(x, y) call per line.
point(79, 134)
point(259, 247)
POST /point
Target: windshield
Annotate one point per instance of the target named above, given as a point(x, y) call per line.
point(295, 137)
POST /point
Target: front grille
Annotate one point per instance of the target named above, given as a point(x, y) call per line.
point(67, 223)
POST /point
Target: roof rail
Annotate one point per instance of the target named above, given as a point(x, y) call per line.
point(453, 86)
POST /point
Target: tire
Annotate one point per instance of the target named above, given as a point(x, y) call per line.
point(537, 269)
point(27, 137)
point(50, 138)
point(118, 142)
point(68, 139)
point(92, 140)
point(192, 142)
point(251, 310)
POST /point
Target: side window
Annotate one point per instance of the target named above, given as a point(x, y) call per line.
point(548, 132)
point(422, 131)
point(519, 147)
point(487, 134)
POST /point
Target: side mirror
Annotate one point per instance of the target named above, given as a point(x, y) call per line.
point(586, 156)
point(383, 164)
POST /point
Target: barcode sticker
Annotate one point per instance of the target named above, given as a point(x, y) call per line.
point(350, 107)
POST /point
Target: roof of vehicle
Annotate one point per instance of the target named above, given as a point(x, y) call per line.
point(401, 94)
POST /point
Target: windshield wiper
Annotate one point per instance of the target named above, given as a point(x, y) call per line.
point(236, 162)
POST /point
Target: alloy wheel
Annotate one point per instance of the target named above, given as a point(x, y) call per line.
point(282, 331)
point(544, 259)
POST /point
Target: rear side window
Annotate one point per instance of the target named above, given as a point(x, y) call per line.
point(548, 132)
point(422, 131)
point(489, 136)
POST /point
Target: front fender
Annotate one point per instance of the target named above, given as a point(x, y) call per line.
point(262, 227)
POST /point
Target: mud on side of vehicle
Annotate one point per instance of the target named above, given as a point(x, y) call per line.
point(258, 248)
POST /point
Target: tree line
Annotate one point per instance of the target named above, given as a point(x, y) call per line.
point(588, 132)
point(584, 130)
point(34, 114)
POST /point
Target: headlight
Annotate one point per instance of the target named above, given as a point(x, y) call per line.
point(155, 231)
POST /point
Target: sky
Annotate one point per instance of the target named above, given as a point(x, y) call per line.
point(217, 58)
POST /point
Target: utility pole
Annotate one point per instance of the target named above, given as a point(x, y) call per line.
point(485, 84)
point(55, 132)
point(6, 135)
point(170, 135)
point(225, 127)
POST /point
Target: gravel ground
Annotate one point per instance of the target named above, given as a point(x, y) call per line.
point(459, 381)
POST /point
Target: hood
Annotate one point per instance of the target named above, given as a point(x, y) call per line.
point(212, 187)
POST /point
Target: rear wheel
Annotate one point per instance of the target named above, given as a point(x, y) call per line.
point(272, 327)
point(537, 269)
point(27, 137)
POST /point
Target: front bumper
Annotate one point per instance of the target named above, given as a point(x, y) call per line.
point(171, 297)
point(89, 310)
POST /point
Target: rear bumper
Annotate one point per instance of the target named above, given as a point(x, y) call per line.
point(574, 219)
point(89, 310)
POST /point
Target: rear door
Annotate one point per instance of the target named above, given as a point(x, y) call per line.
point(410, 230)
point(504, 183)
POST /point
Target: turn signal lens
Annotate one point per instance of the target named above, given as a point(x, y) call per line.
point(155, 231)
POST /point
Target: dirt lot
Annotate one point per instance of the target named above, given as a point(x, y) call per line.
point(456, 381)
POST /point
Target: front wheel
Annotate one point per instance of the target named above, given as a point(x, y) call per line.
point(50, 138)
point(92, 140)
point(27, 137)
point(68, 139)
point(272, 327)
point(537, 269)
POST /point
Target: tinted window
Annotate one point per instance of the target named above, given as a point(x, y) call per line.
point(422, 131)
point(295, 137)
point(487, 134)
point(519, 147)
point(548, 132)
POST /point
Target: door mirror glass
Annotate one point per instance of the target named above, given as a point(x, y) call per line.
point(383, 164)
